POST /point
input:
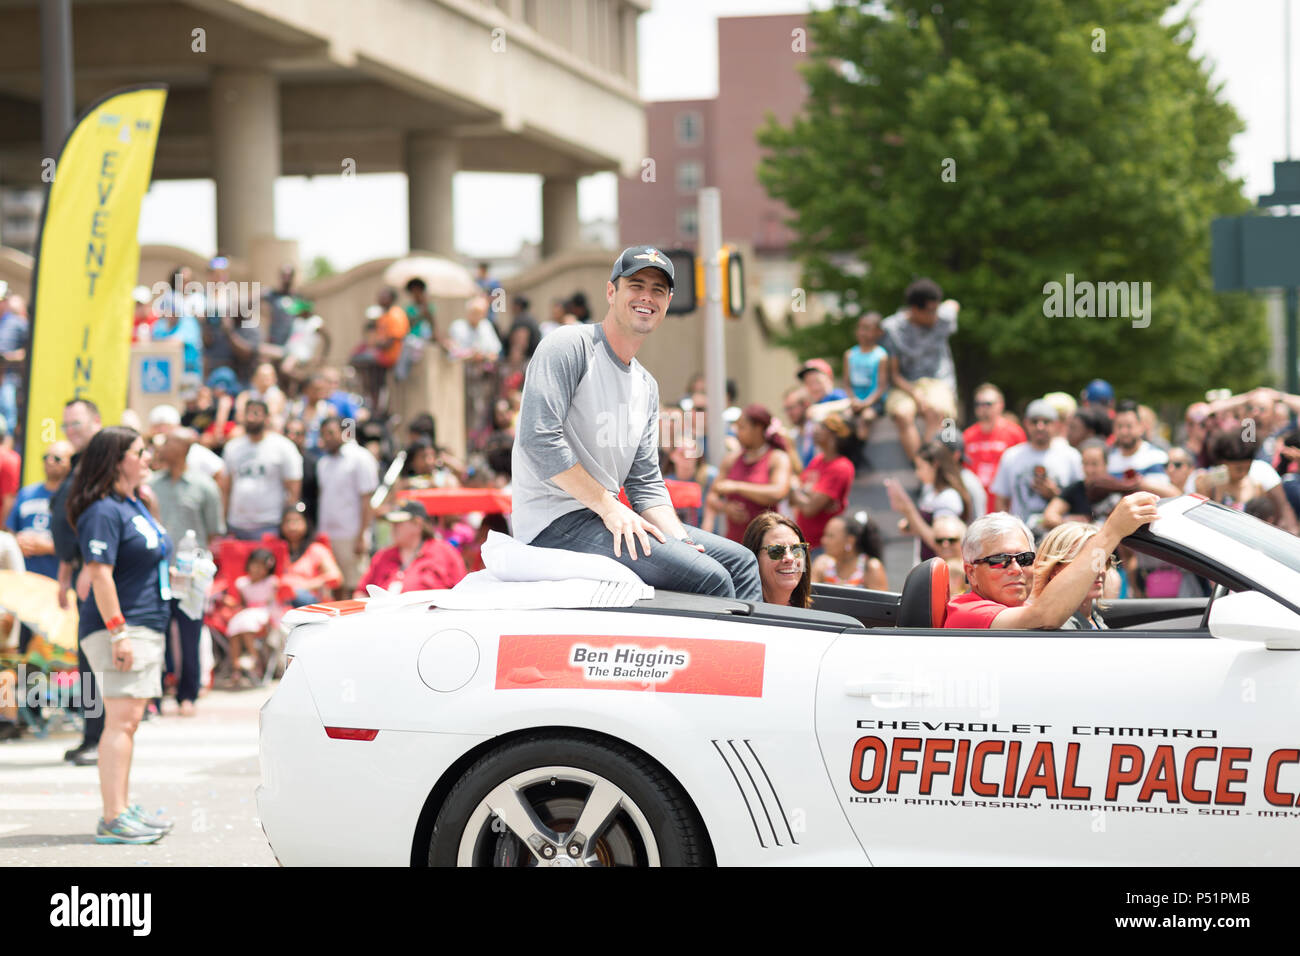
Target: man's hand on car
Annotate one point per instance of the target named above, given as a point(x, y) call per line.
point(628, 526)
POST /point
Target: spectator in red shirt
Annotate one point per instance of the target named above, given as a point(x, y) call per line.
point(416, 561)
point(990, 436)
point(823, 489)
point(10, 473)
point(997, 556)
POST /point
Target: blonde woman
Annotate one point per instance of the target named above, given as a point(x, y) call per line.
point(1061, 546)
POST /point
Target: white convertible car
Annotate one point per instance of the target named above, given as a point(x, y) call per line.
point(687, 730)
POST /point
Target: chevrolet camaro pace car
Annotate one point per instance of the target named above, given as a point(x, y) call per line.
point(688, 730)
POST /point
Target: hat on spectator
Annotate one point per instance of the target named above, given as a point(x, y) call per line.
point(815, 365)
point(224, 378)
point(189, 386)
point(164, 415)
point(954, 442)
point(407, 510)
point(1064, 404)
point(1099, 390)
point(1039, 408)
point(635, 258)
point(142, 295)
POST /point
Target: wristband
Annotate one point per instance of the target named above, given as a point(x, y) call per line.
point(115, 622)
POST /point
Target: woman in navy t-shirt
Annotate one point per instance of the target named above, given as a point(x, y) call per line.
point(125, 550)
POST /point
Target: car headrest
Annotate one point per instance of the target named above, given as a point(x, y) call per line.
point(925, 595)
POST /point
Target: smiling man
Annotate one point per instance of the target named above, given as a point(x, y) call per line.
point(998, 557)
point(589, 424)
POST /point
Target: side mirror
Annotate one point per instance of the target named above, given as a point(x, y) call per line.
point(1252, 616)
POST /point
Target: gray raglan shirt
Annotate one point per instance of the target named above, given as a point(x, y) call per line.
point(582, 405)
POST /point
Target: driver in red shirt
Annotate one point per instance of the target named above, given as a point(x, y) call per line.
point(997, 555)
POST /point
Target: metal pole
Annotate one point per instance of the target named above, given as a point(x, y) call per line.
point(1286, 72)
point(715, 357)
point(56, 74)
point(1292, 346)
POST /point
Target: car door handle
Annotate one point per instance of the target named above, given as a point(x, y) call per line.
point(870, 688)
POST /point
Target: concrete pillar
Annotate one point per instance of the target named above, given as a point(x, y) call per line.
point(431, 162)
point(245, 156)
point(559, 214)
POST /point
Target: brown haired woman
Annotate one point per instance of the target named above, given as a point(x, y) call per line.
point(782, 556)
point(125, 552)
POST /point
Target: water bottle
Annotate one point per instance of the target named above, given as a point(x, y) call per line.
point(186, 553)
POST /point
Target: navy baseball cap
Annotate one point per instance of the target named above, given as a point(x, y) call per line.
point(1099, 390)
point(636, 258)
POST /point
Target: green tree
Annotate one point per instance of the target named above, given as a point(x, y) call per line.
point(320, 268)
point(997, 145)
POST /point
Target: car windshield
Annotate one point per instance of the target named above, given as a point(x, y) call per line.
point(1264, 538)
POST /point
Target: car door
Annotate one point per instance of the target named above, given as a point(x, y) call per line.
point(1119, 747)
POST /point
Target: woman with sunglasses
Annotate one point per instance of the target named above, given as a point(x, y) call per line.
point(853, 554)
point(782, 556)
point(998, 558)
point(122, 621)
point(1061, 546)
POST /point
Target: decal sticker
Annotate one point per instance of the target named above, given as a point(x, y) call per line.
point(667, 665)
point(963, 770)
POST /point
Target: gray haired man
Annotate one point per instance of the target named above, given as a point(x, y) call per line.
point(998, 558)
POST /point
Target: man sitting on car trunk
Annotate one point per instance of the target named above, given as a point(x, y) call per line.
point(589, 424)
point(997, 555)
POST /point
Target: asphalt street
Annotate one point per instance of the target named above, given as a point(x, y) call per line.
point(200, 771)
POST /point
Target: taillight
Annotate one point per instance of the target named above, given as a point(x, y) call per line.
point(350, 733)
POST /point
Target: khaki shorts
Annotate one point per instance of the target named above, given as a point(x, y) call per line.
point(344, 551)
point(145, 681)
point(935, 392)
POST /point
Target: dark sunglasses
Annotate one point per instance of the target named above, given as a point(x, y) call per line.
point(1000, 561)
point(54, 458)
point(778, 551)
point(946, 541)
point(980, 404)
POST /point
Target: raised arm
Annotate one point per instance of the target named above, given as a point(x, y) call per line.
point(1062, 596)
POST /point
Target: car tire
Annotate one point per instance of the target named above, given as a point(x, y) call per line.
point(555, 780)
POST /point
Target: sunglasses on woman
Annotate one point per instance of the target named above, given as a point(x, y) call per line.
point(778, 551)
point(1000, 561)
point(944, 542)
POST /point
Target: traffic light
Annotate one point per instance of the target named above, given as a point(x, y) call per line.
point(733, 282)
point(685, 285)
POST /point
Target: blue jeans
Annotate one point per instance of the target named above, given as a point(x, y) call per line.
point(725, 569)
point(189, 631)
